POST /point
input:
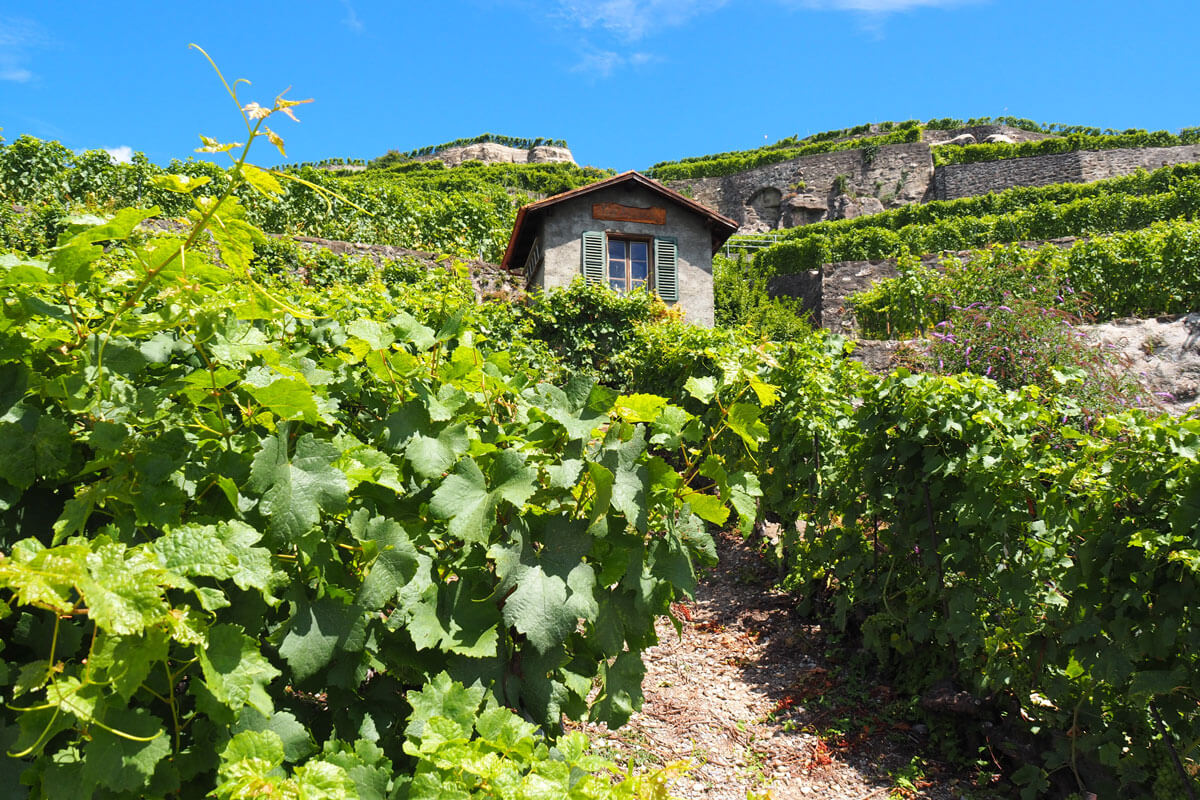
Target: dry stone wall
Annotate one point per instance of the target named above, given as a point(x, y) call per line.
point(807, 189)
point(849, 183)
point(1097, 165)
point(954, 181)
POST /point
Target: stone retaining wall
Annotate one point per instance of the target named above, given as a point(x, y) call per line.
point(849, 183)
point(954, 181)
point(807, 189)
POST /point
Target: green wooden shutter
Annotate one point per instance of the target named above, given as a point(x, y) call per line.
point(593, 256)
point(666, 269)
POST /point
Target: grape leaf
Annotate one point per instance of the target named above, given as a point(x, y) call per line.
point(744, 420)
point(318, 632)
point(38, 446)
point(247, 764)
point(286, 398)
point(446, 698)
point(432, 458)
point(296, 490)
point(392, 569)
point(225, 551)
point(235, 672)
point(123, 589)
point(640, 407)
point(122, 764)
point(465, 500)
point(373, 333)
point(622, 692)
point(702, 389)
point(708, 507)
point(297, 741)
point(538, 609)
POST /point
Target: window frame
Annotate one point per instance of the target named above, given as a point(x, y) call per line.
point(627, 239)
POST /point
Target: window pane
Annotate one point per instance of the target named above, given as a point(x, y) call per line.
point(637, 270)
point(617, 285)
point(616, 269)
point(616, 249)
point(639, 251)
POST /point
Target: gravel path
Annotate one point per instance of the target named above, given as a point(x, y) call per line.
point(748, 699)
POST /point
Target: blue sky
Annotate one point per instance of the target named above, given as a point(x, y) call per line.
point(626, 82)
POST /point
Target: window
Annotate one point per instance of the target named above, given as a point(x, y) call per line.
point(625, 263)
point(628, 263)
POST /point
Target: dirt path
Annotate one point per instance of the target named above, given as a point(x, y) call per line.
point(747, 696)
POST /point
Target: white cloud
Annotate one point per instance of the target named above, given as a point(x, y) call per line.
point(351, 19)
point(120, 155)
point(17, 37)
point(634, 19)
point(603, 63)
point(878, 6)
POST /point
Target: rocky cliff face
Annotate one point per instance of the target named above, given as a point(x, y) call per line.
point(490, 153)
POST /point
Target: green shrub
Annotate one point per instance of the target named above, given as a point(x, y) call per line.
point(903, 306)
point(792, 256)
point(740, 299)
point(587, 325)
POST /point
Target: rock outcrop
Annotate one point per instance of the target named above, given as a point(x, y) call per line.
point(491, 153)
point(963, 139)
point(845, 206)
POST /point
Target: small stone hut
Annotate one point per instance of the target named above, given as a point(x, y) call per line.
point(628, 232)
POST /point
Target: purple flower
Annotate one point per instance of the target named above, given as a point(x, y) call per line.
point(1005, 308)
point(989, 371)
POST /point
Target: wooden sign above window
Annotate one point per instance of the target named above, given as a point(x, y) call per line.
point(619, 213)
